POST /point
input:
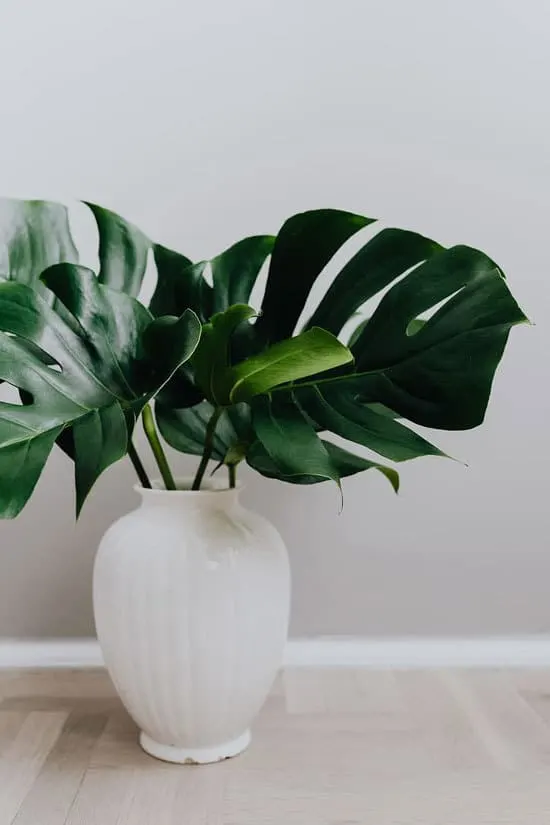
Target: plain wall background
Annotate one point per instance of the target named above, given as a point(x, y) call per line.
point(206, 122)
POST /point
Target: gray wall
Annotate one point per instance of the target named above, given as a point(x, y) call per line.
point(207, 122)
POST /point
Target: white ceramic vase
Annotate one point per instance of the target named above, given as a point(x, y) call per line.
point(191, 601)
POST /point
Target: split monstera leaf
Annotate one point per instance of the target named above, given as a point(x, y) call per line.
point(229, 382)
point(435, 371)
point(89, 368)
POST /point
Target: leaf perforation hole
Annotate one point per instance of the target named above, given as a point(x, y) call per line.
point(11, 394)
point(332, 269)
point(257, 293)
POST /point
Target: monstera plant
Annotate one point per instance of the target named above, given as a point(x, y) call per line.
point(192, 590)
point(229, 381)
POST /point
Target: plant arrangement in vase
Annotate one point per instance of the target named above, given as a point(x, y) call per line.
point(231, 383)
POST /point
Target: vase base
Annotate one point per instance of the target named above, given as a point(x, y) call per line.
point(194, 756)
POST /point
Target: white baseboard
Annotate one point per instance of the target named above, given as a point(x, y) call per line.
point(420, 652)
point(39, 653)
point(527, 652)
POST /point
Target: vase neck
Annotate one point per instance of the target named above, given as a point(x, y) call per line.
point(212, 496)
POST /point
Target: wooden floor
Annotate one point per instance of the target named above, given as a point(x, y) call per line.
point(338, 747)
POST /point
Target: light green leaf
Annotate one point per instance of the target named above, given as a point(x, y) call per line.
point(307, 354)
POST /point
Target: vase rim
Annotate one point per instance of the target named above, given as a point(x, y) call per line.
point(183, 485)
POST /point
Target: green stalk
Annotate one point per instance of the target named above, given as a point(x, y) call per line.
point(232, 469)
point(208, 447)
point(138, 465)
point(156, 447)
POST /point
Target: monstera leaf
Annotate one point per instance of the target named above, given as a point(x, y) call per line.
point(36, 234)
point(428, 353)
point(123, 251)
point(33, 236)
point(91, 368)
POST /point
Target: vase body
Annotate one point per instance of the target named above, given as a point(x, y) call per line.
point(191, 603)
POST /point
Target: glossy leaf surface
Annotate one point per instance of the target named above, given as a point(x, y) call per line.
point(123, 251)
point(90, 374)
point(33, 236)
point(427, 353)
point(312, 352)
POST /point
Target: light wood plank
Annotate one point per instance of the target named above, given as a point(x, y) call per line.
point(304, 690)
point(511, 730)
point(174, 796)
point(104, 798)
point(441, 724)
point(329, 748)
point(117, 747)
point(55, 789)
point(22, 760)
point(105, 706)
point(328, 690)
point(62, 683)
point(10, 724)
point(452, 800)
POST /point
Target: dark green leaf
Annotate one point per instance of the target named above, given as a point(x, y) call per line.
point(99, 439)
point(345, 463)
point(234, 272)
point(33, 236)
point(181, 391)
point(385, 340)
point(414, 326)
point(441, 376)
point(180, 285)
point(21, 465)
point(348, 464)
point(87, 375)
point(384, 258)
point(338, 412)
point(169, 342)
point(123, 250)
point(455, 400)
point(307, 354)
point(111, 321)
point(290, 441)
point(185, 429)
point(303, 247)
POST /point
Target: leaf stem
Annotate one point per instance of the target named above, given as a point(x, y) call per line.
point(156, 447)
point(232, 470)
point(138, 465)
point(208, 447)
